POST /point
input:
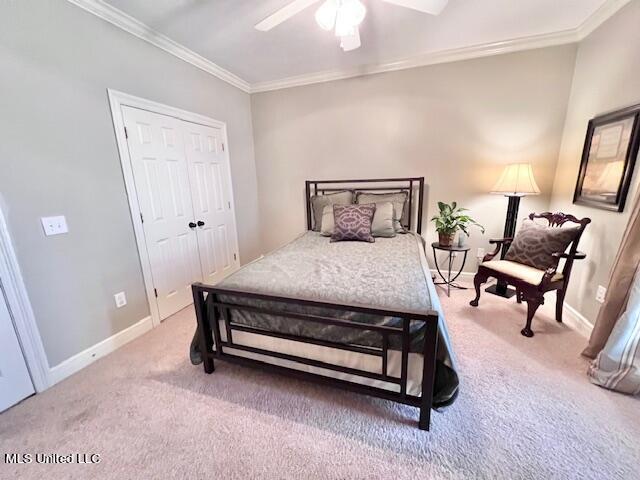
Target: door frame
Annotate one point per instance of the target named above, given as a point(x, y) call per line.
point(116, 101)
point(24, 321)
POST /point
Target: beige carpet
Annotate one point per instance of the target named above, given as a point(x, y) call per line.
point(526, 410)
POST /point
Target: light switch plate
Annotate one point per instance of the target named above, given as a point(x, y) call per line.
point(600, 294)
point(54, 225)
point(121, 299)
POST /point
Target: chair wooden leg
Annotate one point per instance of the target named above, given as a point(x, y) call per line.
point(518, 295)
point(478, 280)
point(533, 303)
point(560, 304)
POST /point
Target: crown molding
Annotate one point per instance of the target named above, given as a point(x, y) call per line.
point(135, 27)
point(140, 30)
point(575, 35)
point(597, 18)
point(444, 56)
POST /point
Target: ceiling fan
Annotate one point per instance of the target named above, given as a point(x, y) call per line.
point(345, 16)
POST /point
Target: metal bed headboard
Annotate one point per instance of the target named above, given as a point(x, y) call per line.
point(321, 187)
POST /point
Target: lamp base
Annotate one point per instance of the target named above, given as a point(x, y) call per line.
point(501, 290)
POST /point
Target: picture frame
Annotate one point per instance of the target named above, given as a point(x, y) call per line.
point(608, 159)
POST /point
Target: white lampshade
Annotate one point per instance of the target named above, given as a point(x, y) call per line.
point(516, 180)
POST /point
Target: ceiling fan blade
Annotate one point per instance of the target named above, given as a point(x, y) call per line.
point(433, 7)
point(285, 13)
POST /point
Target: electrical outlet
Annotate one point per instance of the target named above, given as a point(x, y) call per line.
point(480, 253)
point(600, 294)
point(121, 299)
point(54, 225)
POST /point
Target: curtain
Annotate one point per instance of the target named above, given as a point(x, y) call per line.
point(617, 366)
point(620, 283)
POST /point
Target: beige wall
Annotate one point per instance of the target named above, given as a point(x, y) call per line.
point(455, 123)
point(607, 77)
point(58, 156)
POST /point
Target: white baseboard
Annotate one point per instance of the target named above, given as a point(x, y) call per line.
point(571, 317)
point(99, 350)
point(576, 321)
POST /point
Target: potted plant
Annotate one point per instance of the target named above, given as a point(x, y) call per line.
point(451, 219)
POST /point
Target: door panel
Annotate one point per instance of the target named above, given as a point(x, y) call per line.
point(211, 193)
point(15, 382)
point(216, 178)
point(160, 171)
point(208, 256)
point(223, 241)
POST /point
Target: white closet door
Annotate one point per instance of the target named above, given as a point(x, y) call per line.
point(212, 203)
point(15, 382)
point(156, 149)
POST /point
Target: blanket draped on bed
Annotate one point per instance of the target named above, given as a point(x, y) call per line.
point(390, 274)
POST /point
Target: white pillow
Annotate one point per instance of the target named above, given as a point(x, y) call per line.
point(381, 226)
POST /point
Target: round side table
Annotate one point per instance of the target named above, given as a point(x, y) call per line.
point(449, 281)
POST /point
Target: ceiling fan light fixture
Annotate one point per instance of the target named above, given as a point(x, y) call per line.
point(352, 41)
point(354, 10)
point(326, 14)
point(350, 15)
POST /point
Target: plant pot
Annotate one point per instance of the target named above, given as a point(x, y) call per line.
point(446, 239)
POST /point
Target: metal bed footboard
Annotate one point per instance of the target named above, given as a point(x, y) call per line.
point(210, 336)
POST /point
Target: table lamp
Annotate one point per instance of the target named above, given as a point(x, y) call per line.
point(516, 181)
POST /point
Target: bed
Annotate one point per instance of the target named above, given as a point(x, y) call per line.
point(355, 315)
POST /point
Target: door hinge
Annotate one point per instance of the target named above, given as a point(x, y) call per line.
point(126, 133)
point(235, 257)
point(229, 203)
point(222, 147)
point(141, 217)
point(156, 292)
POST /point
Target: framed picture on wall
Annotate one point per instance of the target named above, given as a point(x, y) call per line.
point(608, 158)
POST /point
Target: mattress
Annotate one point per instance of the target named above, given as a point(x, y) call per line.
point(390, 274)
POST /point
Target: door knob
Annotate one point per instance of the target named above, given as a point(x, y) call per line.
point(192, 225)
point(200, 223)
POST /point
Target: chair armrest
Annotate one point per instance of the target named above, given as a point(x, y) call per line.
point(501, 240)
point(498, 242)
point(577, 256)
point(548, 275)
point(550, 272)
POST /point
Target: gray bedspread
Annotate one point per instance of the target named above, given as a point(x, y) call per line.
point(390, 274)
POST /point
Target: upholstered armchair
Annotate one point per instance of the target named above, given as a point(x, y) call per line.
point(533, 268)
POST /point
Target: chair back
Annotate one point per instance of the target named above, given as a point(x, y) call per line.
point(558, 219)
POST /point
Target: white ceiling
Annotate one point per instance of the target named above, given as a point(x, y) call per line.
point(222, 31)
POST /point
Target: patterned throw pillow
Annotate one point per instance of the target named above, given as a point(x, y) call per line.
point(534, 244)
point(353, 222)
point(381, 225)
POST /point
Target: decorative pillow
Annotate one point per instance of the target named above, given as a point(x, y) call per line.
point(327, 224)
point(381, 225)
point(399, 200)
point(318, 202)
point(534, 244)
point(353, 222)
